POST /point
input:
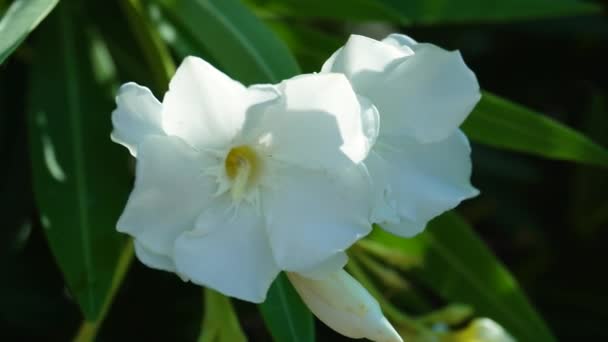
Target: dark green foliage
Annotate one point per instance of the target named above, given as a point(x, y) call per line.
point(63, 183)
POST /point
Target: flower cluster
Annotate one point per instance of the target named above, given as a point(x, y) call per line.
point(235, 184)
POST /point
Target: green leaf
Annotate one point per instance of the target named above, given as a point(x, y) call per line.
point(220, 323)
point(231, 35)
point(156, 54)
point(310, 46)
point(459, 266)
point(287, 317)
point(588, 201)
point(337, 9)
point(80, 177)
point(503, 124)
point(424, 11)
point(119, 39)
point(16, 199)
point(134, 43)
point(89, 329)
point(465, 11)
point(20, 19)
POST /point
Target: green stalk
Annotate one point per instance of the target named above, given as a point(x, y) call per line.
point(404, 321)
point(88, 329)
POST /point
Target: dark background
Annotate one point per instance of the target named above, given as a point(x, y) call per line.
point(546, 220)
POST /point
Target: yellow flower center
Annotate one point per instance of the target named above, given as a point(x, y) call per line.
point(242, 167)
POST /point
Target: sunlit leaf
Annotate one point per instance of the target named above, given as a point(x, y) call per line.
point(20, 19)
point(286, 315)
point(503, 124)
point(232, 36)
point(80, 178)
point(459, 266)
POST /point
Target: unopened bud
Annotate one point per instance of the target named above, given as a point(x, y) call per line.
point(344, 305)
point(482, 330)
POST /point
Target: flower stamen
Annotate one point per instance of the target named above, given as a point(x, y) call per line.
point(242, 167)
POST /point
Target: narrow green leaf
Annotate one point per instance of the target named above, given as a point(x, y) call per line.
point(503, 124)
point(448, 11)
point(220, 322)
point(80, 178)
point(424, 11)
point(20, 19)
point(588, 201)
point(89, 329)
point(459, 266)
point(288, 319)
point(16, 199)
point(364, 10)
point(231, 35)
point(134, 43)
point(156, 54)
point(310, 46)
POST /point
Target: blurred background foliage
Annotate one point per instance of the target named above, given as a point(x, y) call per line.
point(527, 252)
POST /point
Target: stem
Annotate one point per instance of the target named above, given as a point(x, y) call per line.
point(88, 329)
point(452, 314)
point(86, 332)
point(396, 315)
point(392, 279)
point(158, 59)
point(391, 256)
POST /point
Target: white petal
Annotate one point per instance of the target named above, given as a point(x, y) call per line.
point(362, 57)
point(345, 306)
point(228, 253)
point(400, 41)
point(152, 259)
point(205, 107)
point(326, 267)
point(312, 216)
point(420, 90)
point(318, 123)
point(169, 193)
point(427, 96)
point(384, 209)
point(138, 115)
point(421, 181)
point(406, 227)
point(370, 120)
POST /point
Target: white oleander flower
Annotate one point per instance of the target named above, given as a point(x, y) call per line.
point(420, 164)
point(342, 303)
point(234, 184)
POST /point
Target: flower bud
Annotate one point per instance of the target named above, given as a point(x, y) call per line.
point(482, 330)
point(344, 305)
